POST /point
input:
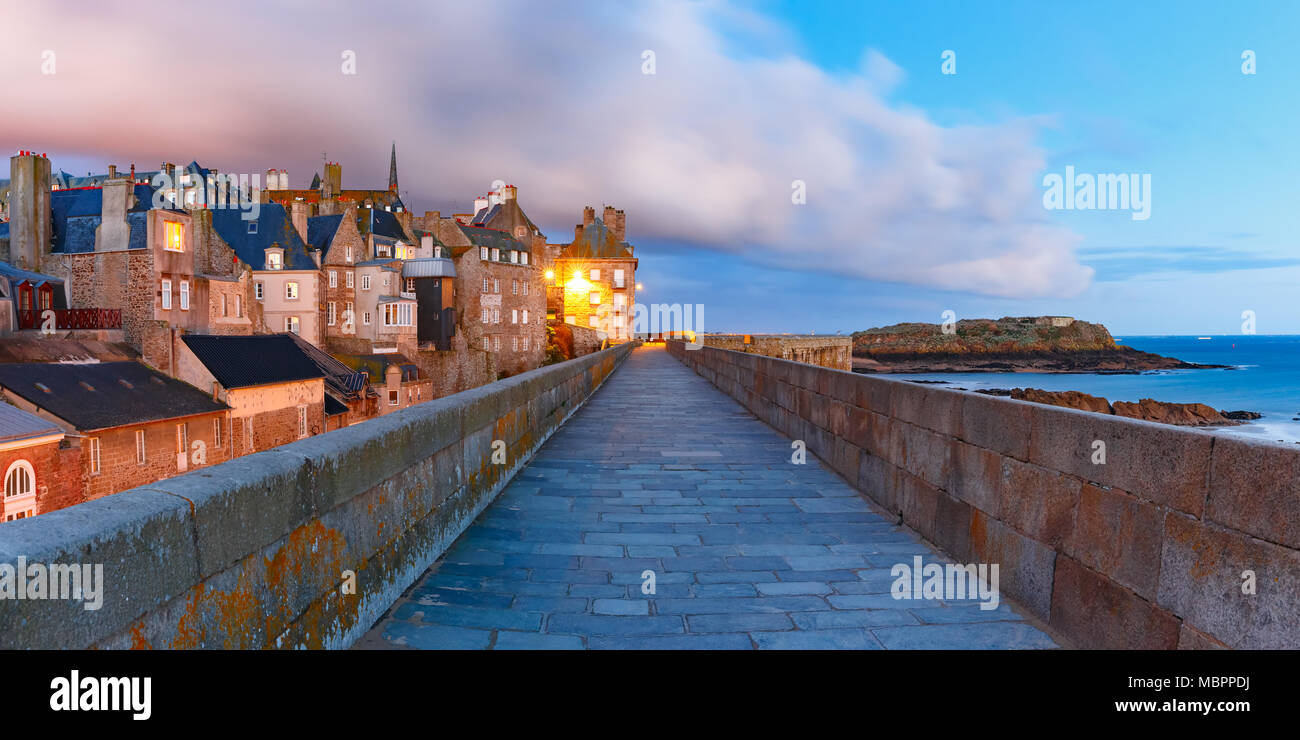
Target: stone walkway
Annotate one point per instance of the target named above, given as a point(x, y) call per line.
point(662, 474)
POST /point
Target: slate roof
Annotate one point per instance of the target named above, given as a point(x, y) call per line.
point(321, 231)
point(260, 359)
point(596, 242)
point(484, 237)
point(340, 379)
point(17, 275)
point(429, 267)
point(382, 224)
point(375, 365)
point(17, 425)
point(74, 215)
point(274, 229)
point(105, 395)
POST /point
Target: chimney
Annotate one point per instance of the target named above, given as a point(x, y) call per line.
point(29, 209)
point(577, 232)
point(133, 172)
point(112, 172)
point(480, 204)
point(298, 214)
point(113, 233)
point(509, 192)
point(619, 226)
point(588, 216)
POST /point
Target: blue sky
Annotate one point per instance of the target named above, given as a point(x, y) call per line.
point(924, 190)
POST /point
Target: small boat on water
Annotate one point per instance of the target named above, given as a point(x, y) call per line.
point(1203, 337)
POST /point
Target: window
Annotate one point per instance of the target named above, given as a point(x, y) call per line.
point(239, 310)
point(174, 236)
point(216, 432)
point(618, 278)
point(365, 318)
point(365, 282)
point(397, 314)
point(94, 455)
point(252, 227)
point(620, 301)
point(525, 342)
point(487, 314)
point(46, 296)
point(166, 294)
point(525, 316)
point(514, 316)
point(329, 313)
point(392, 398)
point(248, 433)
point(514, 344)
point(185, 295)
point(302, 421)
point(571, 319)
point(487, 285)
point(496, 254)
point(525, 287)
point(496, 343)
point(334, 279)
point(482, 253)
point(523, 258)
point(291, 290)
point(410, 285)
point(273, 261)
point(595, 274)
point(594, 297)
point(496, 316)
point(514, 256)
point(496, 285)
point(139, 447)
point(592, 321)
point(437, 252)
point(20, 491)
point(257, 291)
point(347, 278)
point(223, 305)
point(291, 324)
point(514, 287)
point(182, 438)
point(349, 259)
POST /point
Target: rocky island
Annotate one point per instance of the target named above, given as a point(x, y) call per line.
point(1043, 344)
point(1147, 409)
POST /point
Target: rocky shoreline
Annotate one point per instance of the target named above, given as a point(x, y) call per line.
point(1146, 409)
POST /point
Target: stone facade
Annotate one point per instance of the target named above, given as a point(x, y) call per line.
point(835, 353)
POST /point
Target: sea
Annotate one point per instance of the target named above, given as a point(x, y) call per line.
point(1263, 375)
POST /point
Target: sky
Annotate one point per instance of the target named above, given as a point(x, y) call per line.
point(792, 166)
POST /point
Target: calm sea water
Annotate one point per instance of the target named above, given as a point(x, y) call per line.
point(1265, 377)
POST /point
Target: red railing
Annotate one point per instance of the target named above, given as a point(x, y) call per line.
point(73, 318)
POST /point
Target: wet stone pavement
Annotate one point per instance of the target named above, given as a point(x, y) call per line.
point(661, 472)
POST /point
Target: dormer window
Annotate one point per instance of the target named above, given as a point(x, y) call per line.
point(496, 254)
point(252, 227)
point(274, 259)
point(482, 253)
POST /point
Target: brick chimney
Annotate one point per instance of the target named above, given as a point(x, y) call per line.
point(588, 216)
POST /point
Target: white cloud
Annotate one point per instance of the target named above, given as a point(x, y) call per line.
point(551, 98)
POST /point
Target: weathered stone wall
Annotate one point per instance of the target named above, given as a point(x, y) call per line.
point(254, 553)
point(1144, 550)
point(833, 352)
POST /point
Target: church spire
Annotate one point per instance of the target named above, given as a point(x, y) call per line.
point(392, 170)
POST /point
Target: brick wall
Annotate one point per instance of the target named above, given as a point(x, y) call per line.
point(120, 469)
point(252, 554)
point(58, 475)
point(1145, 550)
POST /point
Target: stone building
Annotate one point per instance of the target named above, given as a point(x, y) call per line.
point(132, 425)
point(275, 392)
point(592, 280)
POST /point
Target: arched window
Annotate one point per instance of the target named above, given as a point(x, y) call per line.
point(20, 491)
point(20, 479)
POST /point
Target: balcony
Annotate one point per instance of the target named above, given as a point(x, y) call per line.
point(66, 319)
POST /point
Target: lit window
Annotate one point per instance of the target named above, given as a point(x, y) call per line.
point(594, 297)
point(592, 322)
point(174, 236)
point(273, 261)
point(595, 274)
point(291, 324)
point(166, 294)
point(291, 290)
